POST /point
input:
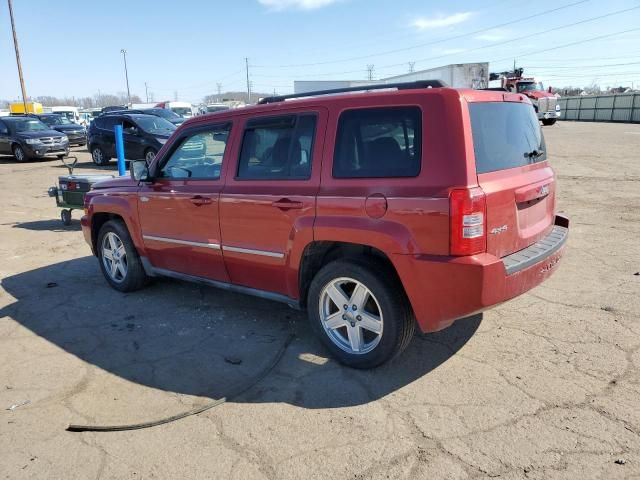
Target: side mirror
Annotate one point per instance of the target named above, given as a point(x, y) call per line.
point(139, 171)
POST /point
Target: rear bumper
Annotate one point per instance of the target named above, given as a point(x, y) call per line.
point(443, 289)
point(548, 115)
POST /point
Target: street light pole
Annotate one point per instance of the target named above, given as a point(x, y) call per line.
point(15, 44)
point(126, 74)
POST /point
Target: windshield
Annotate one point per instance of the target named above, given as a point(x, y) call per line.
point(155, 125)
point(164, 113)
point(182, 111)
point(530, 87)
point(56, 120)
point(26, 125)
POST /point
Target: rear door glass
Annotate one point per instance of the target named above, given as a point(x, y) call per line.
point(505, 135)
point(380, 142)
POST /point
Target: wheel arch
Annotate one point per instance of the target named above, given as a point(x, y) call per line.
point(321, 252)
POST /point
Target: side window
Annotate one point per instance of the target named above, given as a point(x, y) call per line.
point(381, 142)
point(106, 123)
point(129, 127)
point(277, 148)
point(199, 155)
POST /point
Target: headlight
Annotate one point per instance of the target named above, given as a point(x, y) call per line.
point(32, 141)
point(557, 108)
point(65, 139)
point(162, 140)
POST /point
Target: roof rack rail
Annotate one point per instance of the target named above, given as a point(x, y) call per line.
point(495, 89)
point(377, 86)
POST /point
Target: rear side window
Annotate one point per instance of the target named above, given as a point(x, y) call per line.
point(505, 135)
point(277, 148)
point(381, 142)
point(106, 123)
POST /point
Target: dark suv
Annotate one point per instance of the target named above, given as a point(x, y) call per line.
point(143, 136)
point(76, 133)
point(26, 137)
point(378, 212)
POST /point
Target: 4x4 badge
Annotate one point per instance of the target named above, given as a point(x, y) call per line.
point(497, 230)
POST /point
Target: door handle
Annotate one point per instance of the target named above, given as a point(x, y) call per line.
point(286, 204)
point(198, 200)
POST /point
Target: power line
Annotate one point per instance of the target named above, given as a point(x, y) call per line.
point(584, 66)
point(543, 32)
point(421, 45)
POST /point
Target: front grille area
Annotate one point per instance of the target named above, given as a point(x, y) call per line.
point(547, 104)
point(51, 141)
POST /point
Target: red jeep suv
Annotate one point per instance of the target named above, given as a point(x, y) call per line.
point(407, 204)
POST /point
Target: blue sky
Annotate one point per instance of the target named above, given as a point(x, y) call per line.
point(72, 47)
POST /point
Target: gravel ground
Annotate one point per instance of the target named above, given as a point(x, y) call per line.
point(546, 386)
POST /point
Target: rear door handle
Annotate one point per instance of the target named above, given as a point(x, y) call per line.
point(286, 204)
point(200, 200)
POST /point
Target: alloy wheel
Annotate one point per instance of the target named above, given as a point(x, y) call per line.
point(114, 257)
point(351, 315)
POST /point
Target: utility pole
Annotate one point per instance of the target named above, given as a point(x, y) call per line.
point(219, 87)
point(370, 71)
point(126, 74)
point(246, 63)
point(15, 44)
point(412, 67)
point(146, 91)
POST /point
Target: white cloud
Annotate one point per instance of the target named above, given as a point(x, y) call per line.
point(440, 21)
point(491, 36)
point(296, 4)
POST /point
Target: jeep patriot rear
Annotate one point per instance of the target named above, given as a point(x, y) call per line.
point(375, 211)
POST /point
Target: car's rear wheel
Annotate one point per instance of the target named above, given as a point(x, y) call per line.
point(119, 259)
point(360, 312)
point(19, 153)
point(149, 155)
point(98, 156)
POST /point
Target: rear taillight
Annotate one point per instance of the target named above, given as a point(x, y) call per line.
point(467, 211)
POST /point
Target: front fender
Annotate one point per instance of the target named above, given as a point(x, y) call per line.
point(124, 205)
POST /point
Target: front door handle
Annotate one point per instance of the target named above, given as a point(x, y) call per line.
point(199, 200)
point(286, 204)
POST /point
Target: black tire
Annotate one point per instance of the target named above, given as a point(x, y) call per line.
point(382, 282)
point(98, 156)
point(135, 277)
point(548, 121)
point(65, 216)
point(19, 153)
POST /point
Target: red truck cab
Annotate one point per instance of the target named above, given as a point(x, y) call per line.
point(377, 212)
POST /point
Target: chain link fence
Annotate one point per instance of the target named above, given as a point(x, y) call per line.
point(622, 107)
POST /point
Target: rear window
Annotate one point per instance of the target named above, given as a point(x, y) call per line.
point(505, 135)
point(381, 142)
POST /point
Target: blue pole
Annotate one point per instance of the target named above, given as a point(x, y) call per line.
point(120, 150)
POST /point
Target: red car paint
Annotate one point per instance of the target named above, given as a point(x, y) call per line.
point(406, 219)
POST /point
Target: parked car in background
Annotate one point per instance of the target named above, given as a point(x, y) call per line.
point(216, 107)
point(158, 112)
point(72, 113)
point(26, 137)
point(378, 212)
point(143, 135)
point(77, 134)
point(184, 109)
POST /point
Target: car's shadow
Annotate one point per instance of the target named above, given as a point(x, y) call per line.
point(48, 225)
point(198, 340)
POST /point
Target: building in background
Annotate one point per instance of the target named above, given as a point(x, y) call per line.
point(461, 75)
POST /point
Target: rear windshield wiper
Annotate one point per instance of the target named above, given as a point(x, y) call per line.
point(534, 154)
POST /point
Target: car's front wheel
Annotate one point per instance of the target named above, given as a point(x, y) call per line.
point(119, 259)
point(548, 121)
point(360, 312)
point(19, 153)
